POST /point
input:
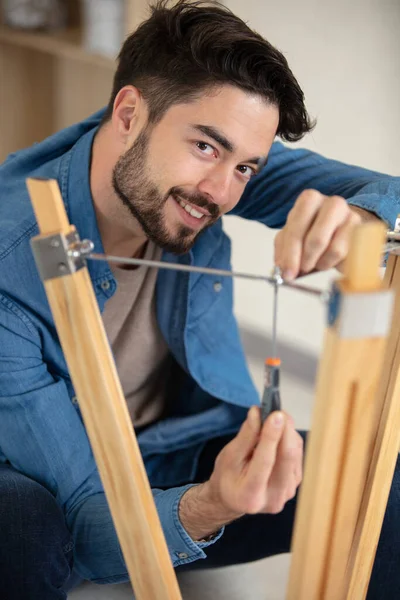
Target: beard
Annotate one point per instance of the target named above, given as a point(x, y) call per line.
point(145, 202)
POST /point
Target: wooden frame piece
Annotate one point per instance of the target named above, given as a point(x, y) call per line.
point(386, 451)
point(104, 411)
point(343, 434)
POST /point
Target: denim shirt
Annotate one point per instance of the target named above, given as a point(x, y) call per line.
point(41, 429)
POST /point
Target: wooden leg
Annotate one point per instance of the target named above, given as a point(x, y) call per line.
point(86, 349)
point(343, 429)
point(384, 456)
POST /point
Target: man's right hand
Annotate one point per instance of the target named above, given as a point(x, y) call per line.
point(257, 472)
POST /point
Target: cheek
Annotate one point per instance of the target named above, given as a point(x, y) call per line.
point(236, 193)
point(185, 171)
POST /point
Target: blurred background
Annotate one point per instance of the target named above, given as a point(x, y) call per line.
point(56, 65)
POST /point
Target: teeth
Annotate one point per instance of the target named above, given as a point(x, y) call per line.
point(196, 213)
point(192, 211)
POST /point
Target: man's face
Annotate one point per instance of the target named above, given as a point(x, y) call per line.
point(184, 173)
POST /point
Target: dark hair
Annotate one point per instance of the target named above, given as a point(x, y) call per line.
point(185, 50)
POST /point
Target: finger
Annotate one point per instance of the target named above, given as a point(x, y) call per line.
point(290, 255)
point(288, 457)
point(298, 471)
point(290, 439)
point(299, 220)
point(278, 247)
point(277, 499)
point(247, 437)
point(339, 246)
point(333, 214)
point(292, 489)
point(289, 418)
point(298, 443)
point(263, 460)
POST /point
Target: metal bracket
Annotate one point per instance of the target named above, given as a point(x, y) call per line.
point(393, 238)
point(58, 255)
point(359, 315)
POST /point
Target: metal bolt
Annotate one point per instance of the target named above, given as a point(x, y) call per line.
point(80, 249)
point(277, 275)
point(54, 243)
point(86, 246)
point(62, 267)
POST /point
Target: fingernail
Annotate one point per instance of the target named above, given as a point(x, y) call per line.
point(278, 420)
point(288, 275)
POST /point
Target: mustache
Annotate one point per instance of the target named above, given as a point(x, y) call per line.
point(197, 200)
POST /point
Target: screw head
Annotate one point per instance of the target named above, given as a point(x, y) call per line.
point(62, 267)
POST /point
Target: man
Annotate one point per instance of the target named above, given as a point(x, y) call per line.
point(198, 99)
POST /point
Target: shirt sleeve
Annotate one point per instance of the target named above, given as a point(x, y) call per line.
point(43, 436)
point(269, 196)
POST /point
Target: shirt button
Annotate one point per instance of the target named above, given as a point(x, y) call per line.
point(105, 285)
point(217, 286)
point(74, 400)
point(182, 555)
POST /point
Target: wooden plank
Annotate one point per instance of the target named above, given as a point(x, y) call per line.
point(86, 349)
point(384, 458)
point(361, 274)
point(361, 271)
point(360, 433)
point(348, 375)
point(65, 43)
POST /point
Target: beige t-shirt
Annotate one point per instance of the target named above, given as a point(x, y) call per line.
point(140, 352)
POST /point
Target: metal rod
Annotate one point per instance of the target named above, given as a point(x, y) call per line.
point(322, 294)
point(274, 321)
point(393, 236)
point(277, 276)
point(392, 248)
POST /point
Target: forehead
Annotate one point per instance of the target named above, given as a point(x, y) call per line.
point(245, 118)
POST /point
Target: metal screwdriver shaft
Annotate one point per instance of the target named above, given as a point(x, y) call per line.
point(271, 397)
point(275, 319)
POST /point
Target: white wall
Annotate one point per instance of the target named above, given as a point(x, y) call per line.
point(346, 56)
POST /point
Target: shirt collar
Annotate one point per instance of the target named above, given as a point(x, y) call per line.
point(80, 208)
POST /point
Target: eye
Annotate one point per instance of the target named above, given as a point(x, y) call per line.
point(247, 171)
point(206, 149)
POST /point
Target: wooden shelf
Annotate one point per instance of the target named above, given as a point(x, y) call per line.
point(65, 44)
point(52, 79)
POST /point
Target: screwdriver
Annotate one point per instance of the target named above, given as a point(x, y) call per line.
point(271, 400)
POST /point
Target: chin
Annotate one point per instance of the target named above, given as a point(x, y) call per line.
point(176, 247)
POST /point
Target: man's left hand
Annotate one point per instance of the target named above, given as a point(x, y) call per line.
point(316, 234)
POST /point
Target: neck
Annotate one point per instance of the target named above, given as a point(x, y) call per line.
point(112, 216)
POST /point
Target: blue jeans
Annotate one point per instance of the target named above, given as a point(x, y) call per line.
point(36, 550)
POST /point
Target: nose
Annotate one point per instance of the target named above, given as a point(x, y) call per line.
point(218, 185)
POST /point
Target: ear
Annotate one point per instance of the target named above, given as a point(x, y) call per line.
point(129, 113)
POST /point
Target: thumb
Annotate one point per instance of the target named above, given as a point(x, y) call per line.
point(247, 437)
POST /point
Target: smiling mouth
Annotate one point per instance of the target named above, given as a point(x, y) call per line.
point(191, 210)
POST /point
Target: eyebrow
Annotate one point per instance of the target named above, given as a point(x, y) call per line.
point(222, 140)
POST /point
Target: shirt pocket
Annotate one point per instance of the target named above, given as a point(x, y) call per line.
point(211, 291)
